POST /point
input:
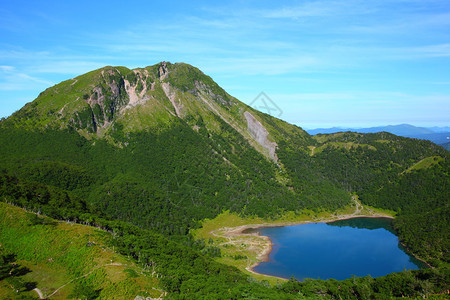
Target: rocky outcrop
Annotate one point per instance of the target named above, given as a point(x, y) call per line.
point(171, 95)
point(104, 101)
point(163, 71)
point(137, 88)
point(260, 134)
point(201, 87)
point(131, 91)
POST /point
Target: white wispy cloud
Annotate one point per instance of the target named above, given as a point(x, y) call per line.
point(52, 61)
point(75, 66)
point(440, 50)
point(6, 68)
point(263, 65)
point(320, 9)
point(12, 79)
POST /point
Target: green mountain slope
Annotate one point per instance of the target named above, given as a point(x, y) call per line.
point(64, 259)
point(164, 147)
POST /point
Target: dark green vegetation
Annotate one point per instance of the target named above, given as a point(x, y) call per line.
point(148, 153)
point(11, 273)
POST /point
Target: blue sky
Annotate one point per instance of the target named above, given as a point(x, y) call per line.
point(323, 63)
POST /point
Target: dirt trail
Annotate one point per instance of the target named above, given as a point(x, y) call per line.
point(39, 292)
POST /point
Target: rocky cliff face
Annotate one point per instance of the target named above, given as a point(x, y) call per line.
point(104, 101)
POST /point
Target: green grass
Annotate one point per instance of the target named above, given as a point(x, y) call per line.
point(61, 255)
point(341, 145)
point(425, 163)
point(323, 138)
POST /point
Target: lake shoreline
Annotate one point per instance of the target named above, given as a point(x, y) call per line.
point(263, 255)
point(416, 257)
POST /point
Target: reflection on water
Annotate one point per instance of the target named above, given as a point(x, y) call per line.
point(359, 246)
point(365, 223)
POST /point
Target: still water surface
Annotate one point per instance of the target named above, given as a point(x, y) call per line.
point(359, 246)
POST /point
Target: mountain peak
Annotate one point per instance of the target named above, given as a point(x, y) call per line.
point(95, 99)
point(103, 101)
point(163, 70)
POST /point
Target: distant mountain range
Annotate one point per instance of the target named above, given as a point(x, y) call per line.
point(438, 135)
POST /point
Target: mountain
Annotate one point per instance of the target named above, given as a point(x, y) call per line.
point(173, 124)
point(148, 154)
point(438, 135)
point(402, 130)
point(439, 138)
point(327, 130)
point(446, 145)
point(440, 129)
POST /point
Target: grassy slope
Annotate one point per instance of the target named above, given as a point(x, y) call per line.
point(58, 255)
point(425, 163)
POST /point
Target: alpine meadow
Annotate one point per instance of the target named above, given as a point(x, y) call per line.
point(107, 179)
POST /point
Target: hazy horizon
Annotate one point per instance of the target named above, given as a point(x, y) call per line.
point(371, 126)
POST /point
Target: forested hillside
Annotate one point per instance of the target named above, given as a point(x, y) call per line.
point(149, 153)
point(185, 269)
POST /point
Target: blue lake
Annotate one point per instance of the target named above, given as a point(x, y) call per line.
point(359, 246)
